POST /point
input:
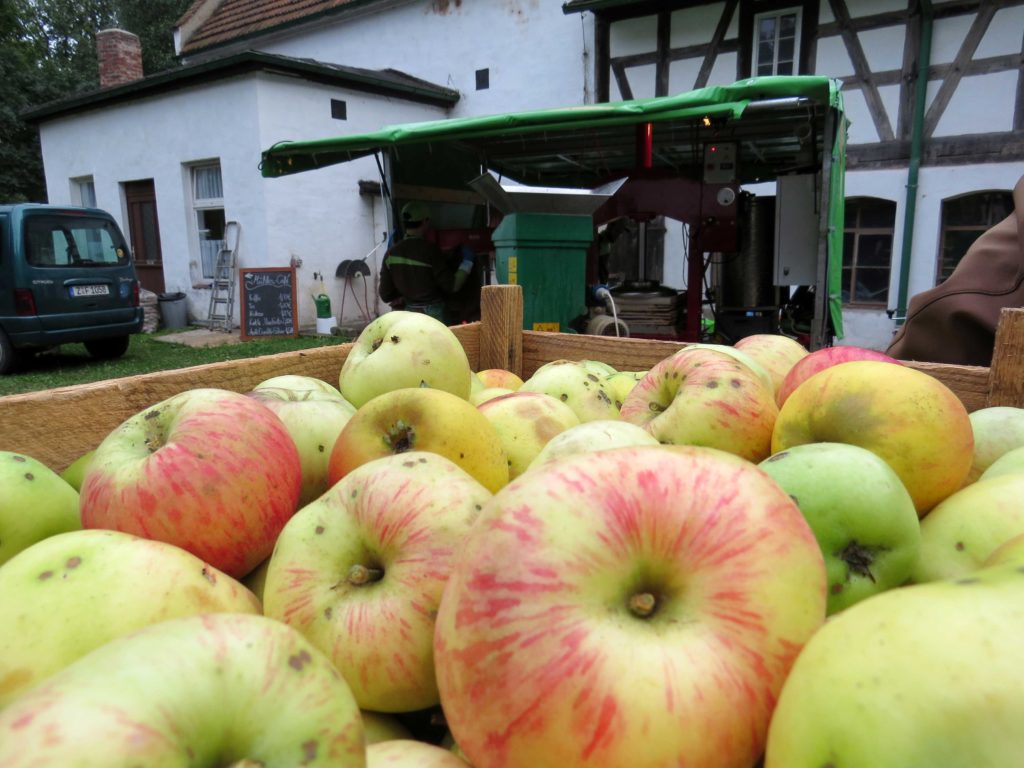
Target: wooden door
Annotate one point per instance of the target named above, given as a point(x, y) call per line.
point(144, 233)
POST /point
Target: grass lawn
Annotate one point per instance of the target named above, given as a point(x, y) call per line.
point(70, 364)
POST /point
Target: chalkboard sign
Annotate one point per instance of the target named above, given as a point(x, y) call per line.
point(268, 302)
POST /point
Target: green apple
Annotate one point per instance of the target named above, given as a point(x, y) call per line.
point(35, 502)
point(256, 580)
point(861, 515)
point(590, 437)
point(525, 422)
point(421, 420)
point(575, 385)
point(74, 473)
point(963, 530)
point(213, 690)
point(926, 675)
point(1009, 463)
point(408, 753)
point(705, 396)
point(600, 368)
point(360, 572)
point(314, 418)
point(997, 430)
point(404, 349)
point(73, 592)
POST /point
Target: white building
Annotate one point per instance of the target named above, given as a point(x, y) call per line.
point(177, 153)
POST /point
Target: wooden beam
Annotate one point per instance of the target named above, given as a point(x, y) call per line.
point(950, 82)
point(863, 71)
point(501, 324)
point(602, 61)
point(664, 35)
point(908, 76)
point(715, 44)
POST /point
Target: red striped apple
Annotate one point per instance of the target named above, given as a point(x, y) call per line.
point(211, 471)
point(360, 572)
point(776, 353)
point(632, 607)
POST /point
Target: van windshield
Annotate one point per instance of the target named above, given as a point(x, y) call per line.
point(54, 240)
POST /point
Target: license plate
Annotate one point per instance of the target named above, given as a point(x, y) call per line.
point(90, 290)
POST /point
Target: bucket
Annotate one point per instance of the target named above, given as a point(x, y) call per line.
point(173, 310)
point(324, 325)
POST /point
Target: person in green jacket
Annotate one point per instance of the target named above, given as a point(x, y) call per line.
point(416, 274)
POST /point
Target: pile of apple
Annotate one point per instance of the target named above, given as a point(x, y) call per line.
point(746, 555)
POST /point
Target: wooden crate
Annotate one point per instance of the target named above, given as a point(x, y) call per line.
point(56, 426)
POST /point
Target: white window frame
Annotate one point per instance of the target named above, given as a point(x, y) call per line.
point(755, 43)
point(207, 248)
point(83, 191)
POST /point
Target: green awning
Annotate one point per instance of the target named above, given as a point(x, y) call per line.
point(777, 123)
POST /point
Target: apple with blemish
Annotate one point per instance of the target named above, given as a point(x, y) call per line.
point(621, 383)
point(299, 383)
point(404, 349)
point(636, 606)
point(740, 356)
point(823, 358)
point(525, 422)
point(220, 689)
point(574, 384)
point(911, 420)
point(959, 534)
point(703, 396)
point(314, 418)
point(418, 419)
point(35, 502)
point(361, 570)
point(73, 592)
point(211, 471)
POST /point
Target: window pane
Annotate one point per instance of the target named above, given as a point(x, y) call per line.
point(208, 182)
point(877, 214)
point(982, 209)
point(847, 277)
point(786, 46)
point(784, 68)
point(766, 29)
point(874, 251)
point(872, 286)
point(849, 242)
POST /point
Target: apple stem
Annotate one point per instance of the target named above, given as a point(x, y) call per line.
point(360, 574)
point(642, 604)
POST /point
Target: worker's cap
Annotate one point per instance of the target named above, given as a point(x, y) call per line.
point(414, 213)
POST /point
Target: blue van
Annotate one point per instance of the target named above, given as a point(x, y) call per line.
point(66, 275)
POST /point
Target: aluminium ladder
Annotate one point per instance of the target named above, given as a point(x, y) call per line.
point(222, 291)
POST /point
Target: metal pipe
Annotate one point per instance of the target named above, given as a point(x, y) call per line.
point(916, 139)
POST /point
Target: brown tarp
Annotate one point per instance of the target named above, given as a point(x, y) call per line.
point(955, 322)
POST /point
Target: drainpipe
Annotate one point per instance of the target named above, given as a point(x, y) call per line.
point(916, 136)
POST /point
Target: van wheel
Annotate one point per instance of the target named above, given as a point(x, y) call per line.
point(107, 349)
point(9, 357)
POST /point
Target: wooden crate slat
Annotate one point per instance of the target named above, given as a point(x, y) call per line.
point(56, 426)
point(969, 382)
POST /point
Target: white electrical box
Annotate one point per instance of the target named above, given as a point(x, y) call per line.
point(720, 163)
point(797, 221)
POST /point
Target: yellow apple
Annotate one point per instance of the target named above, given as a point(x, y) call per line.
point(418, 419)
point(997, 431)
point(621, 383)
point(914, 422)
point(575, 385)
point(480, 397)
point(499, 377)
point(776, 353)
point(593, 436)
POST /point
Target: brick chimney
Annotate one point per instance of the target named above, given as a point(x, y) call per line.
point(120, 57)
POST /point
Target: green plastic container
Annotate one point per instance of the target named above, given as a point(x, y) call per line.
point(546, 253)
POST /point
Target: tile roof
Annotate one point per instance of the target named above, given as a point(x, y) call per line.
point(232, 20)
